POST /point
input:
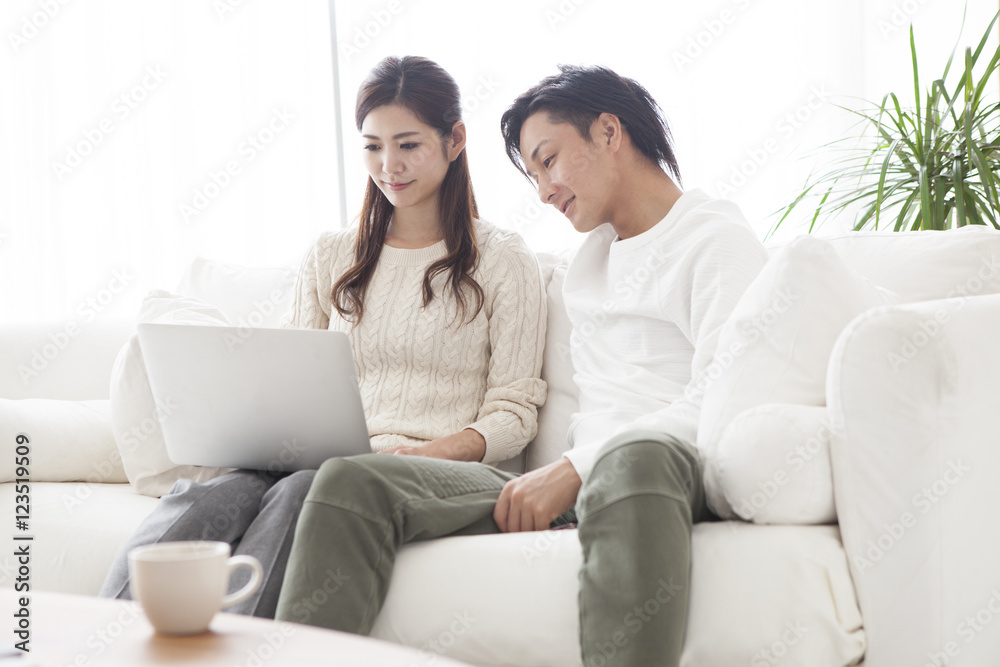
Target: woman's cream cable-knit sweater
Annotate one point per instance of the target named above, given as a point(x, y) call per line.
point(423, 374)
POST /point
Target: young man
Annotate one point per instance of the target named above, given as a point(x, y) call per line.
point(647, 292)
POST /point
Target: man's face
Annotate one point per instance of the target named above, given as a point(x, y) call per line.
point(573, 174)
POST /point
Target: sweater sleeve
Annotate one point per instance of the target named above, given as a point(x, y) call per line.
point(311, 299)
point(516, 307)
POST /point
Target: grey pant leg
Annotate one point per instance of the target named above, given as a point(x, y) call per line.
point(360, 510)
point(221, 509)
point(636, 512)
point(269, 540)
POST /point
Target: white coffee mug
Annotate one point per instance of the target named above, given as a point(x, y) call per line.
point(181, 585)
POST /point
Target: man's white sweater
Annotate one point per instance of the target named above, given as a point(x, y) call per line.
point(646, 313)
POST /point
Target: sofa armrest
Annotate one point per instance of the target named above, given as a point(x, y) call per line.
point(913, 396)
point(60, 361)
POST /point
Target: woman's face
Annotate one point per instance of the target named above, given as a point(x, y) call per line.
point(406, 159)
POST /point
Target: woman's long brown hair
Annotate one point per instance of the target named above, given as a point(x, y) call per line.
point(424, 88)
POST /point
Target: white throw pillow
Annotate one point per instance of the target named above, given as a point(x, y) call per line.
point(557, 371)
point(249, 296)
point(135, 417)
point(67, 441)
point(774, 465)
point(776, 344)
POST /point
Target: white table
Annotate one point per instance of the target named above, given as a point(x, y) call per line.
point(82, 631)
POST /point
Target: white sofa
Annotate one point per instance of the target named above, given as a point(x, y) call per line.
point(904, 410)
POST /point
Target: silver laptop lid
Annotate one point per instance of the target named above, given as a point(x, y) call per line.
point(265, 399)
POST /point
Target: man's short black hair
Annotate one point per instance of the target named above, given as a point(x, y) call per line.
point(578, 95)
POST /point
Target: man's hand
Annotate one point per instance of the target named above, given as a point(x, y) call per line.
point(533, 500)
point(467, 445)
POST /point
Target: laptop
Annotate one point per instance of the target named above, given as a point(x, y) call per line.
point(266, 399)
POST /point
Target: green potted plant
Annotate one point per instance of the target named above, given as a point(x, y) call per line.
point(932, 166)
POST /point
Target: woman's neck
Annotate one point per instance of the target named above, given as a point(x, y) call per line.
point(411, 228)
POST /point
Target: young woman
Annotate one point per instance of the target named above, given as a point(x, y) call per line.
point(445, 313)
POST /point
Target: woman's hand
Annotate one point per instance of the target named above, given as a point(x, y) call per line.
point(467, 445)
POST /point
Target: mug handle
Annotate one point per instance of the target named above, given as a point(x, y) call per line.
point(256, 577)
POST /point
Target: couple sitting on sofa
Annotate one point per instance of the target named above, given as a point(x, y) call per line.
point(446, 315)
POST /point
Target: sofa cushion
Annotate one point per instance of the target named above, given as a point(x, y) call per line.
point(757, 591)
point(775, 345)
point(774, 465)
point(136, 416)
point(249, 297)
point(68, 441)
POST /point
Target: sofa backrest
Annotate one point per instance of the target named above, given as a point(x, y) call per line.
point(47, 362)
point(51, 360)
point(921, 266)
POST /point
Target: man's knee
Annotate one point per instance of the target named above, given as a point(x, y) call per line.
point(629, 464)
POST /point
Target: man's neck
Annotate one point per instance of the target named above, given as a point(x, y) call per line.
point(645, 197)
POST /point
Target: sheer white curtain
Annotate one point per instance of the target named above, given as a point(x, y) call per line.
point(749, 87)
point(137, 134)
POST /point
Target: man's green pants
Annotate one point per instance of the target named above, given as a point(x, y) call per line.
point(635, 513)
